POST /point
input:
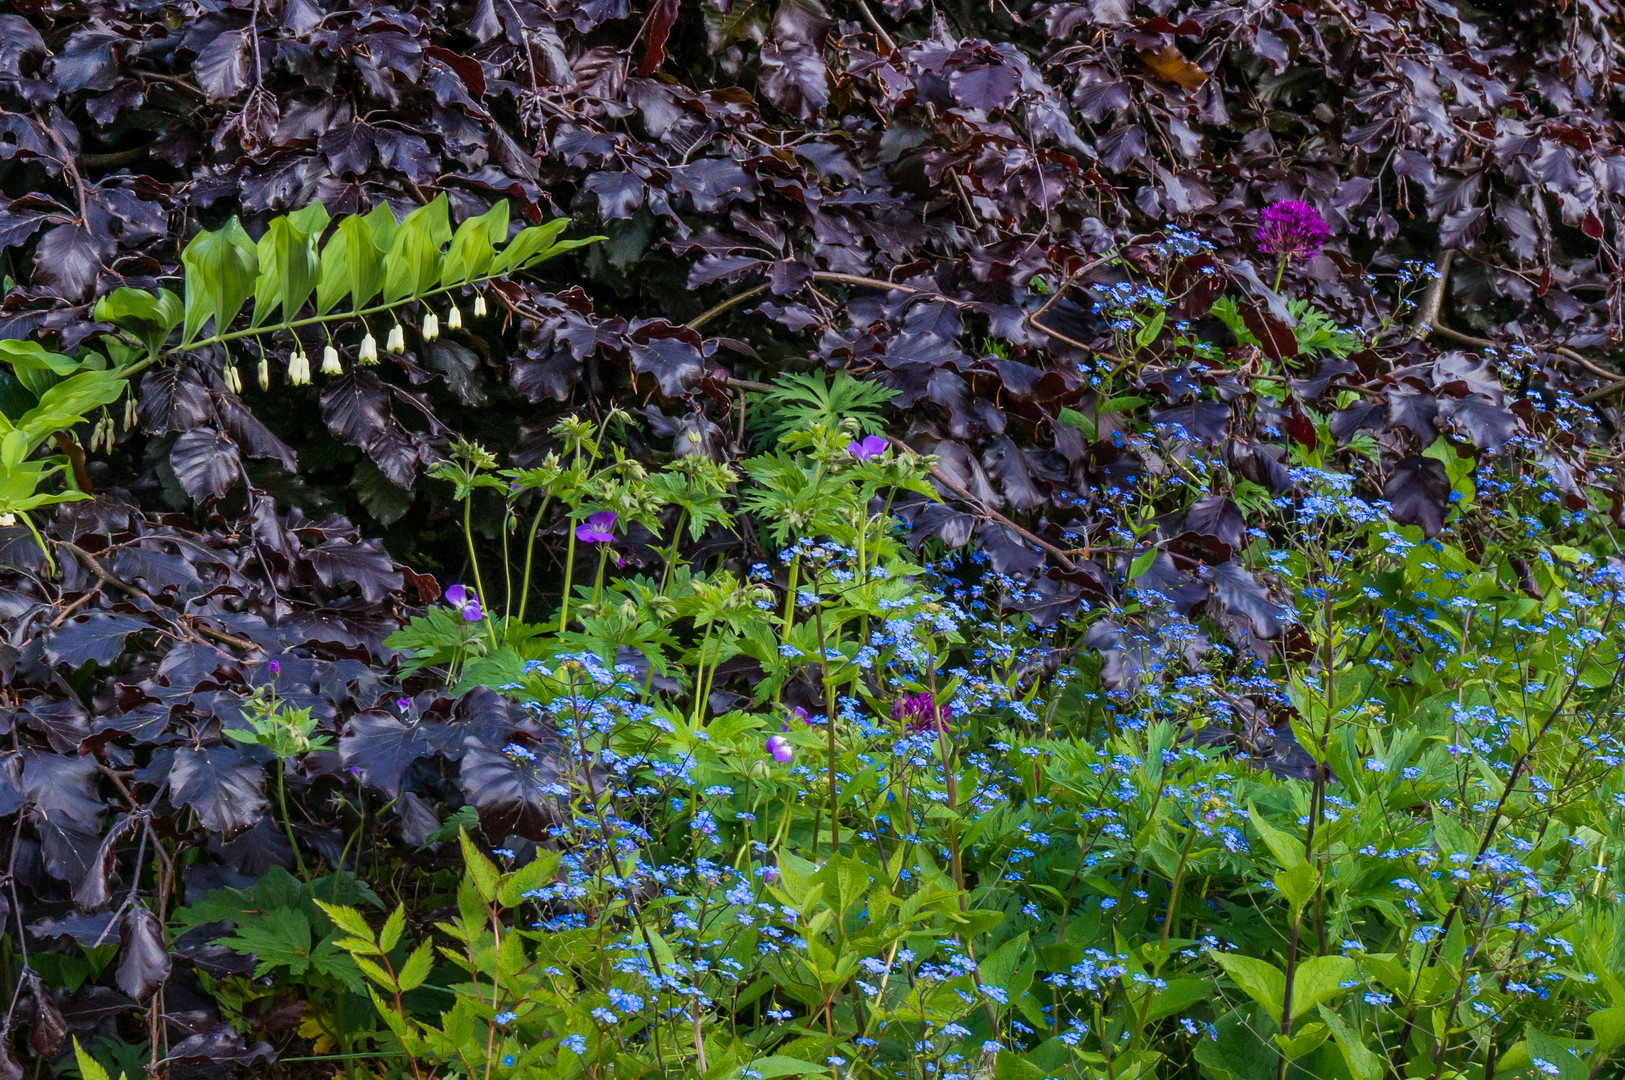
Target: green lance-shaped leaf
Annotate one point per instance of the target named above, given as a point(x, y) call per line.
point(221, 267)
point(474, 245)
point(412, 266)
point(531, 244)
point(288, 270)
point(381, 222)
point(151, 317)
point(352, 265)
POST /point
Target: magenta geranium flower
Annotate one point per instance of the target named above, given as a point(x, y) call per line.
point(867, 448)
point(595, 530)
point(465, 601)
point(1291, 230)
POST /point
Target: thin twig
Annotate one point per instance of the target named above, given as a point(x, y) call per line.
point(987, 512)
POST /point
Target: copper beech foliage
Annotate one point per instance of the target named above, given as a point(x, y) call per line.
point(882, 186)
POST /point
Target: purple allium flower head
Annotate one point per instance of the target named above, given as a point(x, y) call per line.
point(868, 448)
point(780, 748)
point(1291, 229)
point(595, 530)
point(466, 601)
point(275, 667)
point(920, 712)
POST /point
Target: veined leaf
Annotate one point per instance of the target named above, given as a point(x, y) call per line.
point(413, 263)
point(350, 266)
point(528, 245)
point(474, 245)
point(288, 270)
point(221, 267)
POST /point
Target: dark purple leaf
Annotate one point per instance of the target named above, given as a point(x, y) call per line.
point(95, 639)
point(69, 259)
point(225, 66)
point(205, 463)
point(220, 785)
point(364, 564)
point(1418, 493)
point(172, 399)
point(356, 407)
point(381, 749)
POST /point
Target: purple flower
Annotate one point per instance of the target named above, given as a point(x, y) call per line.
point(403, 703)
point(595, 530)
point(868, 448)
point(466, 601)
point(275, 667)
point(780, 748)
point(1291, 229)
point(920, 712)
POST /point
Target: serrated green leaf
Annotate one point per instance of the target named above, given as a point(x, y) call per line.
point(347, 919)
point(480, 869)
point(89, 1067)
point(393, 926)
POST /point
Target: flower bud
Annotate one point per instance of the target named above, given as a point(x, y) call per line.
point(397, 339)
point(330, 362)
point(369, 350)
point(431, 326)
point(265, 372)
point(7, 520)
point(479, 305)
point(454, 318)
point(95, 436)
point(234, 381)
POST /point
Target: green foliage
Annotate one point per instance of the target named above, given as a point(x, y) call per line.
point(799, 402)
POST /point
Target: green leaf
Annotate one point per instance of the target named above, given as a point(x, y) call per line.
point(1074, 418)
point(1287, 849)
point(1362, 1062)
point(413, 264)
point(89, 1067)
point(775, 1065)
point(151, 317)
point(278, 937)
point(1297, 884)
point(416, 968)
point(32, 356)
point(1142, 562)
point(1148, 333)
point(533, 875)
point(381, 223)
point(288, 271)
point(1177, 996)
point(480, 869)
point(1258, 979)
point(310, 220)
point(1608, 1026)
point(350, 265)
point(529, 244)
point(474, 245)
point(393, 926)
point(1318, 980)
point(347, 919)
point(220, 270)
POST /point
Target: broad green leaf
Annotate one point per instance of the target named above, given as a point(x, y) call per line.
point(310, 220)
point(1318, 980)
point(1177, 996)
point(474, 245)
point(221, 266)
point(1287, 849)
point(151, 317)
point(32, 356)
point(1142, 562)
point(288, 271)
point(1258, 979)
point(776, 1065)
point(1297, 884)
point(381, 223)
point(350, 266)
point(1148, 333)
point(412, 266)
point(527, 245)
point(1608, 1026)
point(1362, 1062)
point(1296, 1046)
point(528, 878)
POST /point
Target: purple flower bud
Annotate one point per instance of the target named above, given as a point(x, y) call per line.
point(403, 703)
point(275, 667)
point(867, 448)
point(780, 748)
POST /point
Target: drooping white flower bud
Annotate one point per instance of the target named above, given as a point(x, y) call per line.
point(479, 305)
point(369, 350)
point(7, 520)
point(330, 362)
point(129, 413)
point(454, 318)
point(431, 326)
point(265, 372)
point(95, 436)
point(397, 339)
point(234, 381)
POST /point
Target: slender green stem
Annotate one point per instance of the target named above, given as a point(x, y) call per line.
point(569, 576)
point(530, 550)
point(598, 582)
point(287, 823)
point(789, 614)
point(1280, 270)
point(474, 562)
